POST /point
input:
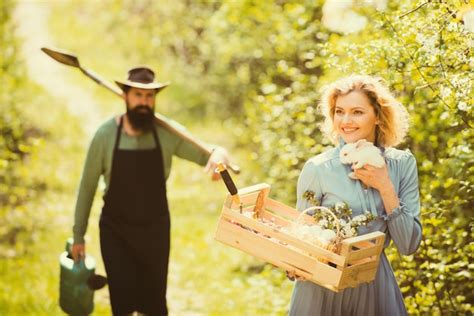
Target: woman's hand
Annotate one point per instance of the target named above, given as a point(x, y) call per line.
point(291, 275)
point(377, 178)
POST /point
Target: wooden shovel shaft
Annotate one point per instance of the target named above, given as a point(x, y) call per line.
point(102, 82)
point(71, 60)
point(160, 120)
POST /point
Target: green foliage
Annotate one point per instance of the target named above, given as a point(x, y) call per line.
point(32, 146)
point(425, 55)
point(261, 63)
point(19, 140)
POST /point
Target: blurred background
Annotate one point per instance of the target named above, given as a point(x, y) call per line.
point(245, 75)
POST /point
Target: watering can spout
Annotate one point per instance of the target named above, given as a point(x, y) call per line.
point(96, 282)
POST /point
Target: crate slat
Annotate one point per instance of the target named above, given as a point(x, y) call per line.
point(248, 199)
point(363, 273)
point(378, 236)
point(242, 239)
point(282, 209)
point(356, 262)
point(272, 252)
point(254, 188)
point(269, 231)
point(275, 218)
point(363, 253)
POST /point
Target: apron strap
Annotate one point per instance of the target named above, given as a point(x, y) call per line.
point(155, 136)
point(119, 131)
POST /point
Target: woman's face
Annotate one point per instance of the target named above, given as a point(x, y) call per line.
point(354, 117)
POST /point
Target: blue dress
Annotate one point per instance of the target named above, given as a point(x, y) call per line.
point(328, 178)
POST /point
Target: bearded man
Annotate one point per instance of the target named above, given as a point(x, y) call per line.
point(134, 154)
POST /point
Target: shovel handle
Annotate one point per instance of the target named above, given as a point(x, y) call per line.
point(72, 60)
point(229, 183)
point(102, 82)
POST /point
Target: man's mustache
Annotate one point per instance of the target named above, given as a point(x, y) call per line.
point(142, 108)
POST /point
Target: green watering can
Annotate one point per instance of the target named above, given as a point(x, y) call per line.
point(77, 283)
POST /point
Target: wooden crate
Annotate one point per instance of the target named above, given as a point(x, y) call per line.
point(356, 262)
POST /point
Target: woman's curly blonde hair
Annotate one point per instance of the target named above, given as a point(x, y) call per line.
point(391, 114)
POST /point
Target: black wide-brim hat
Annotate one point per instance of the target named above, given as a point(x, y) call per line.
point(142, 78)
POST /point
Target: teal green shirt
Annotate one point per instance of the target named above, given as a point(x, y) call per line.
point(99, 163)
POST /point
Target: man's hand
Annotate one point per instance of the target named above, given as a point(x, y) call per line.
point(218, 155)
point(78, 251)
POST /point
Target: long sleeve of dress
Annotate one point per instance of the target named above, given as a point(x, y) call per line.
point(91, 173)
point(328, 179)
point(307, 181)
point(404, 221)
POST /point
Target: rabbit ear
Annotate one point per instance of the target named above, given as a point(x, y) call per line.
point(361, 143)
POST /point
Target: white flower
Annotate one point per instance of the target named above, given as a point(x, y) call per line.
point(323, 222)
point(462, 106)
point(468, 19)
point(428, 43)
point(445, 91)
point(347, 232)
point(339, 205)
point(453, 27)
point(359, 218)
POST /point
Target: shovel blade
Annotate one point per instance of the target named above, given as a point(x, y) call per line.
point(62, 57)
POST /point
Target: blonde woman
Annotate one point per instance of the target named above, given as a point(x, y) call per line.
point(362, 107)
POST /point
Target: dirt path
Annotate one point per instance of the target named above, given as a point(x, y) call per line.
point(32, 18)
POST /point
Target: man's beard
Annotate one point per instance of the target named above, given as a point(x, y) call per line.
point(141, 117)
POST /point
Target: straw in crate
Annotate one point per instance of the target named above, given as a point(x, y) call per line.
point(258, 225)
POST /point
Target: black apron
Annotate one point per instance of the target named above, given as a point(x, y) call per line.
point(135, 230)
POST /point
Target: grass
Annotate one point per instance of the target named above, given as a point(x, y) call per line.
point(205, 277)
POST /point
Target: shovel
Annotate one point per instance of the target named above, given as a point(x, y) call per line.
point(71, 60)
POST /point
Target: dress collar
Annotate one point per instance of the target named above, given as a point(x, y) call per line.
point(341, 143)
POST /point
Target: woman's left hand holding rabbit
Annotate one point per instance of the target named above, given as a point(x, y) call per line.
point(379, 179)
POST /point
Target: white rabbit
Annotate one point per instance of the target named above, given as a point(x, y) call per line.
point(361, 153)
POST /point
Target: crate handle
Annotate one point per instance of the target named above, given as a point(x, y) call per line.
point(259, 204)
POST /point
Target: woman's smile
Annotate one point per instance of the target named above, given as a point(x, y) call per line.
point(354, 117)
